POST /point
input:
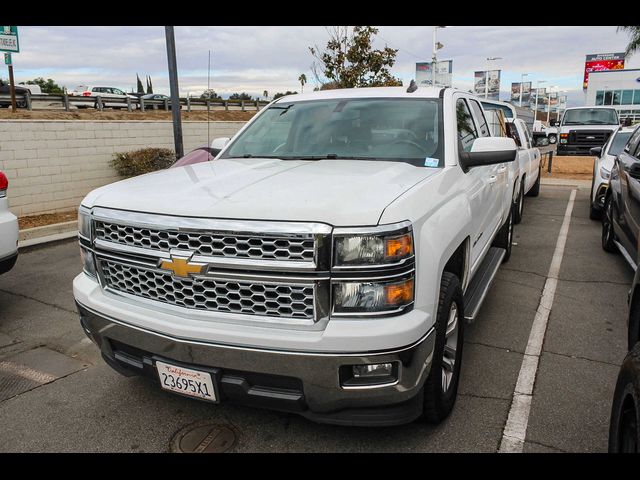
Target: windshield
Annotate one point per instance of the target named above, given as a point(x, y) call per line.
point(392, 129)
point(590, 116)
point(618, 143)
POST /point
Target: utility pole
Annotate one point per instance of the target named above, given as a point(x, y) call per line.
point(175, 96)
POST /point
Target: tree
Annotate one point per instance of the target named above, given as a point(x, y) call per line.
point(47, 86)
point(210, 94)
point(149, 85)
point(302, 79)
point(265, 94)
point(350, 60)
point(634, 42)
point(240, 96)
point(280, 94)
point(140, 87)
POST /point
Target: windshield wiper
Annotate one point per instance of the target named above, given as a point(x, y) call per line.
point(330, 156)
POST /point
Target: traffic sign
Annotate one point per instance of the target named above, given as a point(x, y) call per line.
point(9, 39)
point(7, 59)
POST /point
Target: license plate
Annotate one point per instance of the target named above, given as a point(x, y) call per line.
point(186, 381)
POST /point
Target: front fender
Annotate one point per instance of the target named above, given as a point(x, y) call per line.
point(440, 212)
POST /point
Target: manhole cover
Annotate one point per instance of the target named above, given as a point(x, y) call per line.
point(204, 438)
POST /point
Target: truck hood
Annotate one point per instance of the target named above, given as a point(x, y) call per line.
point(338, 192)
point(566, 128)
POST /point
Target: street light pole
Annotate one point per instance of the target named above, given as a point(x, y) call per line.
point(173, 85)
point(535, 109)
point(549, 101)
point(486, 76)
point(434, 57)
point(521, 81)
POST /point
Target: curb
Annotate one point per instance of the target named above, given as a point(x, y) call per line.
point(47, 230)
point(47, 239)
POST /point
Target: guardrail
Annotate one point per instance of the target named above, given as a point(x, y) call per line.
point(130, 103)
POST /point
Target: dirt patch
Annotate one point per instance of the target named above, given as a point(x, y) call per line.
point(574, 168)
point(90, 114)
point(32, 221)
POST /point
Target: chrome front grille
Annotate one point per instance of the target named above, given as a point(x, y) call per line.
point(212, 294)
point(297, 248)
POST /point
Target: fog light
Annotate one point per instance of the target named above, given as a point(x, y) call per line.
point(371, 375)
point(376, 370)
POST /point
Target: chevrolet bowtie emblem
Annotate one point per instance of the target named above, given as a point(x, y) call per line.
point(181, 266)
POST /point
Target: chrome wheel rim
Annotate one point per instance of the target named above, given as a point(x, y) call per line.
point(450, 348)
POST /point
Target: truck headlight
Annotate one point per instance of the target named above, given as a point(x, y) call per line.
point(377, 246)
point(84, 222)
point(604, 173)
point(371, 297)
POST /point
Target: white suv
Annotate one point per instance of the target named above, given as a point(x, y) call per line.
point(8, 230)
point(110, 96)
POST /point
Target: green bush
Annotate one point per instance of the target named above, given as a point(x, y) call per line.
point(145, 160)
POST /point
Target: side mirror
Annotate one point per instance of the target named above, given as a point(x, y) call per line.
point(554, 123)
point(595, 151)
point(489, 151)
point(218, 144)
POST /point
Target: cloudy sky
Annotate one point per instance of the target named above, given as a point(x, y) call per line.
point(254, 59)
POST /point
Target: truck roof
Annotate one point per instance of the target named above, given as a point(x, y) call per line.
point(366, 92)
point(590, 107)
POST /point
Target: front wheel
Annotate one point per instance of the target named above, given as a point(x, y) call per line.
point(441, 386)
point(553, 139)
point(608, 234)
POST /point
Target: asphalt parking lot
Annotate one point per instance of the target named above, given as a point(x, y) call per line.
point(68, 399)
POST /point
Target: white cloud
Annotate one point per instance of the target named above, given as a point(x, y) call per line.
point(255, 59)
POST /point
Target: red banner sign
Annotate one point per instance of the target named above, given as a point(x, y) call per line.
point(601, 62)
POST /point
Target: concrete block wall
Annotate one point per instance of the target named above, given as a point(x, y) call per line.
point(53, 164)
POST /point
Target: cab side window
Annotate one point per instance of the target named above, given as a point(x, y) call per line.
point(467, 132)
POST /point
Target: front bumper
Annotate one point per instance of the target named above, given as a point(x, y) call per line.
point(569, 149)
point(298, 382)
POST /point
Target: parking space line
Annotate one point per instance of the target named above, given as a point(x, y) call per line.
point(515, 430)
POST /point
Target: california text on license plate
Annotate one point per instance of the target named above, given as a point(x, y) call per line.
point(186, 381)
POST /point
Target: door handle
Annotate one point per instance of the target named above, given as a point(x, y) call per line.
point(493, 179)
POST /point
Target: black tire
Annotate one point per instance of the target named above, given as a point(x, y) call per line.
point(504, 239)
point(553, 139)
point(608, 233)
point(440, 388)
point(535, 189)
point(624, 434)
point(518, 205)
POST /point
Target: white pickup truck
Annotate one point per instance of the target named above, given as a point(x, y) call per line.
point(323, 263)
point(8, 229)
point(526, 169)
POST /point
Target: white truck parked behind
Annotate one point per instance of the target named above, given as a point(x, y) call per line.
point(583, 128)
point(324, 263)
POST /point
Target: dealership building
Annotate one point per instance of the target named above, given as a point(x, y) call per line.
point(618, 88)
